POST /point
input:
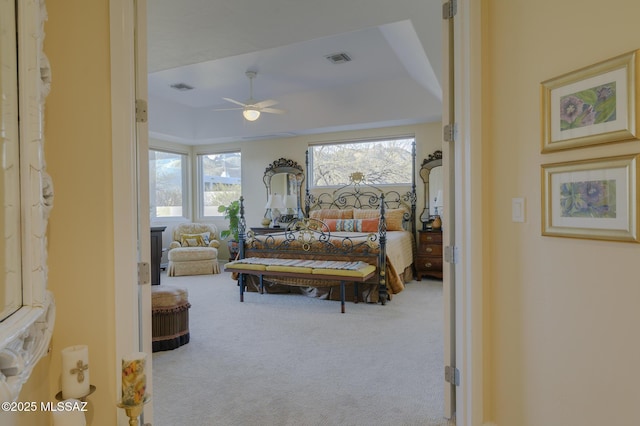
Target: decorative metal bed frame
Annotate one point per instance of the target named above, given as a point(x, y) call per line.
point(309, 238)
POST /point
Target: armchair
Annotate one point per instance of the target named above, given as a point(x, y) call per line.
point(194, 250)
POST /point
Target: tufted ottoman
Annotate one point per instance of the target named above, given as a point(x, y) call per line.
point(169, 317)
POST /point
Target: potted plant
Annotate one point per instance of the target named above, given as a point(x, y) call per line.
point(232, 214)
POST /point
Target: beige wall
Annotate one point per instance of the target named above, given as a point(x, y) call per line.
point(563, 311)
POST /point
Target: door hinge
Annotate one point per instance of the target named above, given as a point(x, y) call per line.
point(141, 111)
point(449, 9)
point(451, 254)
point(452, 375)
point(144, 273)
point(450, 132)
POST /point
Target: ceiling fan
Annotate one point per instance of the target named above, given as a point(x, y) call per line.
point(251, 109)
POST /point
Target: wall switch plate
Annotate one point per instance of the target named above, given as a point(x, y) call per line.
point(517, 209)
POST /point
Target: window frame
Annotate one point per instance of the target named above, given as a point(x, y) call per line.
point(199, 182)
point(310, 171)
point(186, 186)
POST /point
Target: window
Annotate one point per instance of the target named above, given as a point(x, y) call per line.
point(381, 161)
point(168, 186)
point(220, 181)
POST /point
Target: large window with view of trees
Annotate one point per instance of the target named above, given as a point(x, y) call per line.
point(168, 184)
point(220, 181)
point(382, 162)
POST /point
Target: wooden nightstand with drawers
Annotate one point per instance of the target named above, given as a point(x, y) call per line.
point(428, 260)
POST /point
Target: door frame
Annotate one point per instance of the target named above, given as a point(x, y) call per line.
point(471, 356)
point(467, 220)
point(132, 332)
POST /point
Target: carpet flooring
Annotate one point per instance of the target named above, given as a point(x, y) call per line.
point(289, 359)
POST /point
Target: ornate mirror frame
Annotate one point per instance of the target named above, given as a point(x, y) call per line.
point(432, 161)
point(25, 335)
point(295, 176)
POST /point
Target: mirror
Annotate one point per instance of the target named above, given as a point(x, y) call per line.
point(26, 195)
point(431, 174)
point(11, 290)
point(283, 181)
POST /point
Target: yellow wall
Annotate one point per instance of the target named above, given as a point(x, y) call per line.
point(563, 311)
point(78, 154)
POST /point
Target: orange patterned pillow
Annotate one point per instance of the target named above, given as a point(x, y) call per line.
point(323, 214)
point(392, 216)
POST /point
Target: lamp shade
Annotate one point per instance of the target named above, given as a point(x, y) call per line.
point(251, 114)
point(290, 201)
point(275, 202)
point(439, 201)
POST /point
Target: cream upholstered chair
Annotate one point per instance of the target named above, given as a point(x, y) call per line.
point(194, 250)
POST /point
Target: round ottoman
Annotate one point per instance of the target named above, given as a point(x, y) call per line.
point(169, 317)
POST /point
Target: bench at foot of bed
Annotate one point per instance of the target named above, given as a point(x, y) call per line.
point(321, 271)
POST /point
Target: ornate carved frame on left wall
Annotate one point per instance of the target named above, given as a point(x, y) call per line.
point(25, 335)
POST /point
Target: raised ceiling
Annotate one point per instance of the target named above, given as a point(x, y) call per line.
point(393, 78)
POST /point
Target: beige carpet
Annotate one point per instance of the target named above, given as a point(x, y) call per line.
point(295, 360)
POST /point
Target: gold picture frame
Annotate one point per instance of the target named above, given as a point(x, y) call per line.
point(595, 199)
point(593, 105)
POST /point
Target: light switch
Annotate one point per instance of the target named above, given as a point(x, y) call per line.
point(517, 209)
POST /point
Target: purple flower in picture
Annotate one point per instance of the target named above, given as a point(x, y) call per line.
point(570, 108)
point(604, 92)
point(589, 116)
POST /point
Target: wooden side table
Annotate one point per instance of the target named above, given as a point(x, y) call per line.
point(428, 261)
point(261, 230)
point(156, 253)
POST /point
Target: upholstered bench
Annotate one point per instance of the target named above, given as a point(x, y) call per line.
point(169, 317)
point(323, 273)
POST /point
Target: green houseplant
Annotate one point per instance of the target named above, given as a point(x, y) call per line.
point(232, 214)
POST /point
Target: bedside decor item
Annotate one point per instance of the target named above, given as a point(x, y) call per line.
point(75, 372)
point(593, 105)
point(593, 199)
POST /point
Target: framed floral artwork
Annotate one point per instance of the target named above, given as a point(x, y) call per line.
point(591, 199)
point(592, 105)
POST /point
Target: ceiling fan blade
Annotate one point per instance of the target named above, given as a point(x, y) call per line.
point(234, 101)
point(273, 110)
point(266, 103)
point(228, 109)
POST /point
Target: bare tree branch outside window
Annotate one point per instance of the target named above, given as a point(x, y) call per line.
point(382, 162)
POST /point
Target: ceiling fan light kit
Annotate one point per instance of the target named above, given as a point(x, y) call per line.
point(251, 109)
point(251, 114)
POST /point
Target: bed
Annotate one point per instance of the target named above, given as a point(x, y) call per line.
point(357, 222)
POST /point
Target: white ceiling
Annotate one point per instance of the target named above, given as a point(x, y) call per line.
point(393, 78)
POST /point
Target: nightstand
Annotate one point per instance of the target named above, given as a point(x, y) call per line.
point(428, 260)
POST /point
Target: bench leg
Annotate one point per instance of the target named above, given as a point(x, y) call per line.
point(241, 282)
point(342, 296)
point(355, 292)
point(261, 284)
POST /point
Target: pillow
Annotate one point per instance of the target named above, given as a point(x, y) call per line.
point(352, 225)
point(195, 240)
point(393, 217)
point(323, 214)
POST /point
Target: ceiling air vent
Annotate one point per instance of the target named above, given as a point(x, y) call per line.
point(182, 87)
point(338, 58)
